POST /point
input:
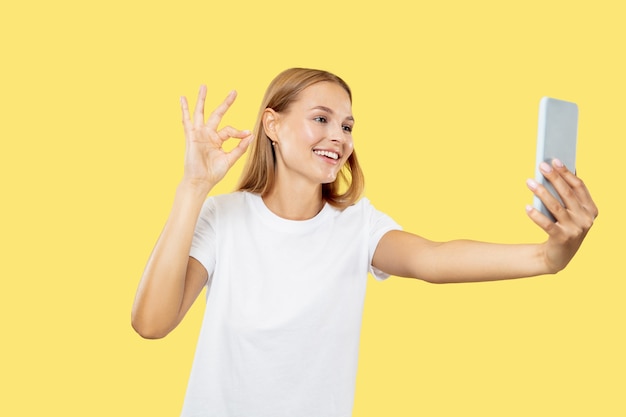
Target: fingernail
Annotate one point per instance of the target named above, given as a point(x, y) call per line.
point(529, 208)
point(545, 167)
point(557, 163)
point(532, 184)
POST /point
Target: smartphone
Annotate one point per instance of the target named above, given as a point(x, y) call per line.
point(556, 138)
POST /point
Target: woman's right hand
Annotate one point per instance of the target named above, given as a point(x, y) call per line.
point(172, 279)
point(206, 162)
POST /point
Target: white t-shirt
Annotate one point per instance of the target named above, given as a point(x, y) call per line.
point(281, 326)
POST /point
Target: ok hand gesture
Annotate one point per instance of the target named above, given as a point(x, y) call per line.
point(206, 162)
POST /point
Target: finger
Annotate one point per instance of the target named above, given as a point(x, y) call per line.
point(541, 220)
point(549, 201)
point(198, 115)
point(578, 186)
point(562, 187)
point(184, 106)
point(216, 116)
point(230, 132)
point(241, 147)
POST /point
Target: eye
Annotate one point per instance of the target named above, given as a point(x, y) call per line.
point(320, 119)
point(347, 128)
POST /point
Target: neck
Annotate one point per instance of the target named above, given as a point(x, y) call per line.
point(294, 203)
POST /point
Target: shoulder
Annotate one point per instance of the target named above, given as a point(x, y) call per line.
point(363, 207)
point(236, 197)
point(221, 205)
point(364, 212)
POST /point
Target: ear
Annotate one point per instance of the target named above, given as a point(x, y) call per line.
point(270, 123)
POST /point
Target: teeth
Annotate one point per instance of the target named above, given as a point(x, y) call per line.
point(328, 154)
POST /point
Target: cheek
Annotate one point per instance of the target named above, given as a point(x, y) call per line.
point(293, 141)
point(303, 137)
point(348, 148)
point(310, 134)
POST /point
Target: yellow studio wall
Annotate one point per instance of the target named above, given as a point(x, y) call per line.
point(445, 101)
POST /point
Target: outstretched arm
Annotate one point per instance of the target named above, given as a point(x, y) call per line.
point(408, 255)
point(172, 280)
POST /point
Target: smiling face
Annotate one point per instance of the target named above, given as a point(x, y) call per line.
point(313, 137)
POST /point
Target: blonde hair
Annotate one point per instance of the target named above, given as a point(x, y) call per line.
point(259, 172)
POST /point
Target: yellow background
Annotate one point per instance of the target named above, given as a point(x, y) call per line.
point(445, 97)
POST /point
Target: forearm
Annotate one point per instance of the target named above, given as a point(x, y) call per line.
point(162, 287)
point(470, 261)
point(407, 255)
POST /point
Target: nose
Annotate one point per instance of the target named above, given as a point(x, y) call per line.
point(337, 134)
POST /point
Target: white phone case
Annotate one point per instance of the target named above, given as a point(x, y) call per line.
point(556, 138)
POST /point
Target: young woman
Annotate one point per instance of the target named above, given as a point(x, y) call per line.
point(285, 258)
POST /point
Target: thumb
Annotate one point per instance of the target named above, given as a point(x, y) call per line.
point(240, 149)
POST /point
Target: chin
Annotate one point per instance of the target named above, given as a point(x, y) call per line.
point(330, 179)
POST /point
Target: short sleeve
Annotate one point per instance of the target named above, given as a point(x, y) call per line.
point(379, 225)
point(203, 245)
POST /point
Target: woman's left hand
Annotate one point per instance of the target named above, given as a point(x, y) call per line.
point(572, 221)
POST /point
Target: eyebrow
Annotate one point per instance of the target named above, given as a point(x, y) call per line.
point(330, 111)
